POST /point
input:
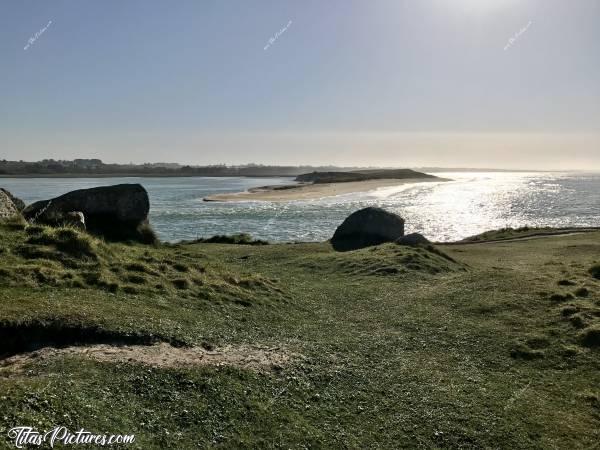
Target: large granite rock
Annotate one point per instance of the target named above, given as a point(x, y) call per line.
point(7, 206)
point(19, 204)
point(115, 212)
point(366, 227)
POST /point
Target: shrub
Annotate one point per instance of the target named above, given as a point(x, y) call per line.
point(238, 239)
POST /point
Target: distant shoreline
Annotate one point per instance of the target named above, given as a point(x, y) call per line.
point(137, 175)
point(312, 191)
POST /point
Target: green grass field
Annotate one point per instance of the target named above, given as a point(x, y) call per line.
point(491, 345)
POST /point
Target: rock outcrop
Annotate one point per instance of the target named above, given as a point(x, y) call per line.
point(7, 207)
point(118, 212)
point(19, 204)
point(367, 227)
point(412, 240)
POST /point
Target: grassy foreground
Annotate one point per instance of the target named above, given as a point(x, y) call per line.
point(491, 345)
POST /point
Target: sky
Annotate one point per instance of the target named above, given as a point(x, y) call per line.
point(403, 83)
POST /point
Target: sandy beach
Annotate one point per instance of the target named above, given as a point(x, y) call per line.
point(312, 191)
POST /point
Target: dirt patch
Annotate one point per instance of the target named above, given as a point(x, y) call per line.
point(162, 355)
point(18, 338)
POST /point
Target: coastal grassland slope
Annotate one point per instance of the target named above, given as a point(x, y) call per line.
point(476, 345)
point(122, 289)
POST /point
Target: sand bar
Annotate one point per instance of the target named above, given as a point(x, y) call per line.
point(284, 193)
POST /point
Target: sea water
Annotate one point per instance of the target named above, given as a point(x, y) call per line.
point(471, 203)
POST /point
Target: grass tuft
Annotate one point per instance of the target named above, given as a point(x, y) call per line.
point(595, 271)
point(147, 235)
point(73, 242)
point(558, 297)
point(181, 283)
point(591, 337)
point(15, 223)
point(522, 351)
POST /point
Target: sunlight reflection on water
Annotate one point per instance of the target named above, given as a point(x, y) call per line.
point(469, 204)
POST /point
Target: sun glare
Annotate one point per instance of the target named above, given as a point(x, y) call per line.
point(480, 7)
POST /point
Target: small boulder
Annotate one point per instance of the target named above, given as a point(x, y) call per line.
point(118, 212)
point(75, 219)
point(7, 207)
point(412, 240)
point(367, 227)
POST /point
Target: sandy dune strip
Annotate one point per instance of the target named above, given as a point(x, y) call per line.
point(312, 191)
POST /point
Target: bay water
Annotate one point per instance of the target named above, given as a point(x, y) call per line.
point(471, 203)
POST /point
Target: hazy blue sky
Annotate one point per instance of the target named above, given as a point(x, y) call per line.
point(365, 82)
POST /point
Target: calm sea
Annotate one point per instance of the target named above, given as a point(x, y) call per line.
point(470, 204)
